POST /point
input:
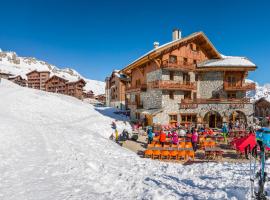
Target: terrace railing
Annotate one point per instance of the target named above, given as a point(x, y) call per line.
point(136, 88)
point(178, 65)
point(244, 87)
point(172, 85)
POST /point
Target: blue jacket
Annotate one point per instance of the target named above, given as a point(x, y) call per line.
point(150, 133)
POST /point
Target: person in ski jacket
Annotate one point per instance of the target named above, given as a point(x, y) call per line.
point(150, 135)
point(194, 140)
point(224, 131)
point(162, 138)
point(175, 138)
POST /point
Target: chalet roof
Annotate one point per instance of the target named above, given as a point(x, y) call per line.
point(262, 99)
point(13, 77)
point(197, 36)
point(54, 76)
point(227, 61)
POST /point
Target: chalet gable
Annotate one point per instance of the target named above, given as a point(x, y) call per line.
point(54, 77)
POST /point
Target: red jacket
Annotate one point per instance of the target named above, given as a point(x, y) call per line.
point(162, 137)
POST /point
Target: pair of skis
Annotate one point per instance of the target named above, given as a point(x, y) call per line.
point(260, 177)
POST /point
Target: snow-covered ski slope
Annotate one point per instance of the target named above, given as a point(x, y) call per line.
point(55, 147)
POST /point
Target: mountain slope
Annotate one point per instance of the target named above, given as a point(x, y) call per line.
point(261, 91)
point(11, 63)
point(56, 147)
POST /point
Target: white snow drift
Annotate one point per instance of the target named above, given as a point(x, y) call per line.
point(55, 147)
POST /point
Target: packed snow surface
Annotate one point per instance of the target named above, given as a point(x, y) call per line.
point(10, 62)
point(55, 147)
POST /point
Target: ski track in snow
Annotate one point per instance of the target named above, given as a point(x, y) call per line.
point(55, 147)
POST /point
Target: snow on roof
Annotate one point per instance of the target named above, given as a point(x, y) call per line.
point(228, 61)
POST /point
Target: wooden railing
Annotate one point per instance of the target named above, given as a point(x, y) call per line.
point(221, 100)
point(135, 88)
point(178, 65)
point(245, 86)
point(172, 85)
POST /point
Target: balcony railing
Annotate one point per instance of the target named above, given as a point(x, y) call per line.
point(244, 87)
point(137, 88)
point(172, 85)
point(221, 100)
point(178, 65)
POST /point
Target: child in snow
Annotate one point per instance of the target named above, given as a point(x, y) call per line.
point(194, 140)
point(150, 135)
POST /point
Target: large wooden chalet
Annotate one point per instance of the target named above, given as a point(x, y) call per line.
point(188, 81)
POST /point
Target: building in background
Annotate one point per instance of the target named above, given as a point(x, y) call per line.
point(115, 90)
point(18, 80)
point(262, 108)
point(56, 84)
point(101, 98)
point(5, 75)
point(89, 95)
point(75, 88)
point(187, 81)
point(36, 79)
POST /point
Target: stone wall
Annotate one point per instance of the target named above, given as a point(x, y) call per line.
point(178, 76)
point(209, 84)
point(152, 98)
point(154, 75)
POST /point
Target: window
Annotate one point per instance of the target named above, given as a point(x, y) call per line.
point(171, 95)
point(194, 62)
point(173, 119)
point(187, 95)
point(191, 46)
point(197, 48)
point(196, 77)
point(137, 116)
point(186, 78)
point(188, 118)
point(138, 82)
point(231, 95)
point(172, 59)
point(185, 60)
point(194, 95)
point(231, 81)
point(171, 75)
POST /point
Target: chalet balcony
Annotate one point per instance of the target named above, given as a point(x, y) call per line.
point(137, 88)
point(193, 103)
point(243, 87)
point(172, 85)
point(178, 65)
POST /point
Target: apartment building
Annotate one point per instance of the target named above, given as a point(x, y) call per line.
point(18, 80)
point(188, 81)
point(75, 88)
point(36, 79)
point(115, 90)
point(56, 84)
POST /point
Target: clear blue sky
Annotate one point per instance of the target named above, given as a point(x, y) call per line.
point(95, 37)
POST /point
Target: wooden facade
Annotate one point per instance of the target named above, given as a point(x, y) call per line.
point(177, 78)
point(90, 94)
point(262, 108)
point(75, 88)
point(5, 75)
point(36, 79)
point(18, 80)
point(56, 84)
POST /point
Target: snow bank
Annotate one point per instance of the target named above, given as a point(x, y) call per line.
point(57, 147)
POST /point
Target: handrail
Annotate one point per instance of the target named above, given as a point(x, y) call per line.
point(168, 84)
point(221, 100)
point(181, 65)
point(245, 86)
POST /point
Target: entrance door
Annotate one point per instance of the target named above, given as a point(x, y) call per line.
point(213, 119)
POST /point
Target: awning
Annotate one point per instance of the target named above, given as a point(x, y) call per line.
point(150, 111)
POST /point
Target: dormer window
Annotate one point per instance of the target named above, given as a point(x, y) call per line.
point(172, 59)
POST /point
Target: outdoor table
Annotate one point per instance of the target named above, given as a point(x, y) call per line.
point(213, 152)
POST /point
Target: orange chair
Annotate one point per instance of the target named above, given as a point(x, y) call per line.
point(157, 145)
point(165, 154)
point(150, 145)
point(211, 143)
point(148, 153)
point(156, 154)
point(156, 138)
point(174, 146)
point(190, 154)
point(181, 139)
point(182, 154)
point(166, 146)
point(182, 145)
point(173, 155)
point(188, 145)
point(205, 144)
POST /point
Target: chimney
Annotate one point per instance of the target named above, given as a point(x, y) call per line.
point(156, 44)
point(176, 34)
